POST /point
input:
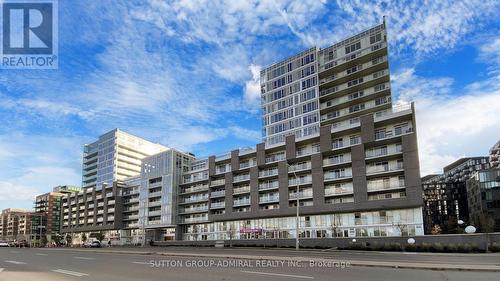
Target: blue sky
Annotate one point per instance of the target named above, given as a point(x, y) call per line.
point(185, 74)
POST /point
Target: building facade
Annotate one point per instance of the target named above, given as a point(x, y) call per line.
point(115, 156)
point(445, 195)
point(46, 220)
point(332, 143)
point(15, 224)
point(484, 200)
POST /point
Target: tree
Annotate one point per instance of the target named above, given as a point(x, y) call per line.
point(436, 229)
point(84, 238)
point(58, 239)
point(100, 236)
point(451, 225)
point(402, 227)
point(43, 241)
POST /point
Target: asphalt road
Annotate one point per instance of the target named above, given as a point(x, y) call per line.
point(55, 265)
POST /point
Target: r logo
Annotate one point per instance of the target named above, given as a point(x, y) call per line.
point(27, 28)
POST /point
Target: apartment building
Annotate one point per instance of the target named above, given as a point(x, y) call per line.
point(332, 139)
point(93, 210)
point(139, 209)
point(484, 200)
point(15, 224)
point(46, 220)
point(445, 195)
point(495, 155)
point(115, 156)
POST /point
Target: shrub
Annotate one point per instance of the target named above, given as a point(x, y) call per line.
point(450, 248)
point(411, 247)
point(436, 247)
point(425, 247)
point(495, 247)
point(464, 248)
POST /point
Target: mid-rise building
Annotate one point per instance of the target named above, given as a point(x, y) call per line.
point(445, 195)
point(46, 220)
point(15, 224)
point(115, 156)
point(484, 200)
point(333, 145)
point(495, 155)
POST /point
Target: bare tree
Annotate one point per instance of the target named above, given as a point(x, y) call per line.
point(401, 227)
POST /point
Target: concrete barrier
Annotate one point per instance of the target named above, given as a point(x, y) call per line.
point(481, 240)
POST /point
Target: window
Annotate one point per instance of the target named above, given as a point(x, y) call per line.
point(355, 82)
point(356, 95)
point(375, 38)
point(356, 107)
point(353, 47)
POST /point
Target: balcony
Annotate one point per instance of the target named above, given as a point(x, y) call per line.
point(155, 194)
point(381, 185)
point(299, 167)
point(242, 189)
point(130, 217)
point(349, 57)
point(194, 220)
point(390, 167)
point(154, 213)
point(387, 134)
point(337, 175)
point(305, 151)
point(240, 178)
point(217, 205)
point(339, 190)
point(300, 195)
point(218, 182)
point(194, 199)
point(154, 203)
point(193, 210)
point(339, 159)
point(299, 181)
point(347, 98)
point(384, 151)
point(268, 185)
point(111, 202)
point(196, 188)
point(275, 157)
point(243, 202)
point(220, 193)
point(268, 173)
point(269, 199)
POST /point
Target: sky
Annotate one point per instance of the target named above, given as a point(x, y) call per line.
point(186, 74)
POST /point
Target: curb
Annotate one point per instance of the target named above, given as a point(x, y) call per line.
point(401, 265)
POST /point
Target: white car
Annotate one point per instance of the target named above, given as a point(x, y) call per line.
point(4, 244)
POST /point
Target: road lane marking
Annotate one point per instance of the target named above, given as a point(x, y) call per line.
point(83, 258)
point(16, 262)
point(278, 274)
point(1, 269)
point(68, 272)
point(40, 254)
point(15, 252)
point(141, 262)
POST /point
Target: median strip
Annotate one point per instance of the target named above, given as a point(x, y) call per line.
point(277, 274)
point(68, 272)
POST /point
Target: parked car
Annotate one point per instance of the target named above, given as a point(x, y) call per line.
point(4, 244)
point(21, 244)
point(95, 244)
point(87, 244)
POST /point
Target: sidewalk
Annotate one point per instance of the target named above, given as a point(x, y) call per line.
point(364, 263)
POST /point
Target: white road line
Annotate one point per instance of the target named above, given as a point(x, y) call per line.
point(40, 254)
point(68, 272)
point(141, 262)
point(1, 269)
point(15, 252)
point(16, 262)
point(83, 258)
point(278, 274)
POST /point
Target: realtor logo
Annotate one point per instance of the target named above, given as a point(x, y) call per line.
point(29, 34)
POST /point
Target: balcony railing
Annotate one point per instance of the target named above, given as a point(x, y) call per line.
point(218, 193)
point(243, 189)
point(240, 178)
point(268, 172)
point(299, 167)
point(338, 175)
point(269, 199)
point(384, 168)
point(381, 185)
point(300, 195)
point(383, 151)
point(303, 180)
point(218, 182)
point(346, 158)
point(237, 203)
point(392, 133)
point(217, 205)
point(268, 185)
point(329, 191)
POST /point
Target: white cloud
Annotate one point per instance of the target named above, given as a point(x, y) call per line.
point(489, 53)
point(450, 126)
point(252, 87)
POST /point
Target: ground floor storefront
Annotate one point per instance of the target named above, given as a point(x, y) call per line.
point(403, 222)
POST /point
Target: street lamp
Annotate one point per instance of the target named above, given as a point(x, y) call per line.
point(298, 205)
